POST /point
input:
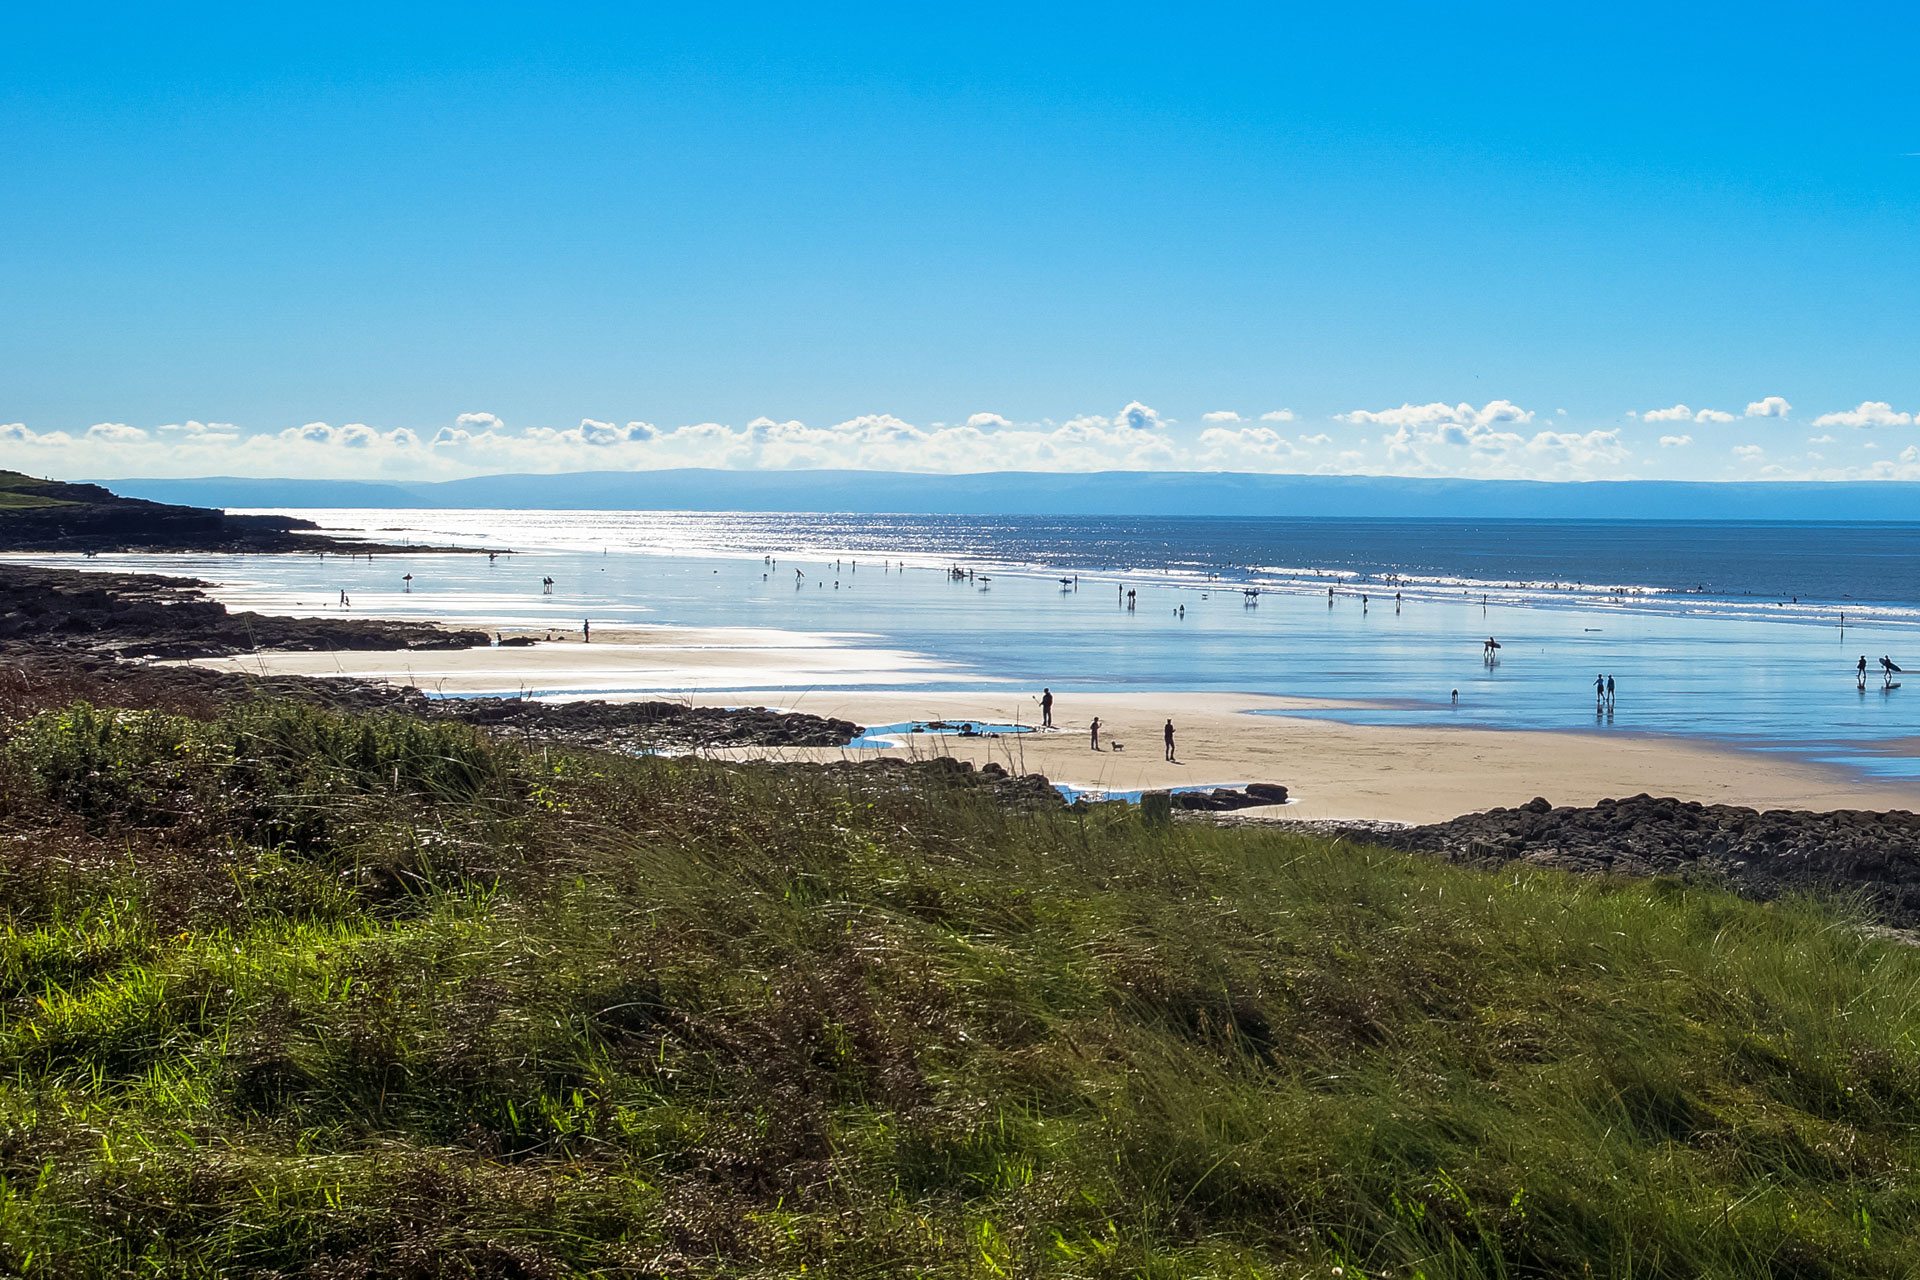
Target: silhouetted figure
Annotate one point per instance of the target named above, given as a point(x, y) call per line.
point(408, 580)
point(1167, 734)
point(1599, 689)
point(1456, 697)
point(1094, 730)
point(1862, 669)
point(1609, 692)
point(586, 631)
point(1046, 708)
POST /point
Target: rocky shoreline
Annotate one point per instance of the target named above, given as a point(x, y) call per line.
point(127, 615)
point(1760, 854)
point(67, 634)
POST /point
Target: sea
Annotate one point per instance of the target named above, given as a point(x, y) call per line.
point(1741, 634)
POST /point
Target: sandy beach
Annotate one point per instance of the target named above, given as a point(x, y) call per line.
point(1334, 770)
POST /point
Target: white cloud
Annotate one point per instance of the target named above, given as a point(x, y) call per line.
point(1769, 407)
point(1222, 415)
point(1821, 439)
point(1749, 451)
point(1491, 440)
point(1869, 413)
point(203, 429)
point(1241, 448)
point(115, 433)
point(1437, 414)
point(1138, 417)
point(1681, 413)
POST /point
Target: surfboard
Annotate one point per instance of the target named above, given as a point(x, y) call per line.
point(1893, 666)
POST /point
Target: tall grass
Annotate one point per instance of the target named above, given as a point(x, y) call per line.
point(286, 992)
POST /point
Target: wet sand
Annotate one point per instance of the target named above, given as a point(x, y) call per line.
point(668, 660)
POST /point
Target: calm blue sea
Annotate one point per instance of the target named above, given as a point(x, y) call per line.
point(1737, 633)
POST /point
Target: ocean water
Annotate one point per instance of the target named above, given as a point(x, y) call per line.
point(1746, 634)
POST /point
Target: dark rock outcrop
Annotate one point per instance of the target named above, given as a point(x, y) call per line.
point(1227, 799)
point(1760, 854)
point(652, 726)
point(145, 616)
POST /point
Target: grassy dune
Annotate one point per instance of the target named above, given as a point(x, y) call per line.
point(292, 993)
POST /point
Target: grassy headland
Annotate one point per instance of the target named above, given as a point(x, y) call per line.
point(59, 515)
point(289, 991)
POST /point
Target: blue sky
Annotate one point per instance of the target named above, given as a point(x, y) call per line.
point(1480, 239)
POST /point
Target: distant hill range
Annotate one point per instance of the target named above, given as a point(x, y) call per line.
point(1105, 493)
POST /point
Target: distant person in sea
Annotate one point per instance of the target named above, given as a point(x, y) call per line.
point(1456, 697)
point(1609, 691)
point(1167, 734)
point(1046, 708)
point(1863, 669)
point(1093, 731)
point(1599, 688)
point(1489, 648)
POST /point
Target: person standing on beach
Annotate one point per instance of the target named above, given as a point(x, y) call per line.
point(1609, 691)
point(1599, 689)
point(1167, 733)
point(586, 631)
point(1094, 730)
point(1046, 708)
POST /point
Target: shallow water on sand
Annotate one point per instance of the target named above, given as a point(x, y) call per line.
point(1774, 683)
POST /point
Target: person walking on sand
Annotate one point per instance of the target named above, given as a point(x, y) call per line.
point(1167, 733)
point(1863, 668)
point(1094, 731)
point(1046, 708)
